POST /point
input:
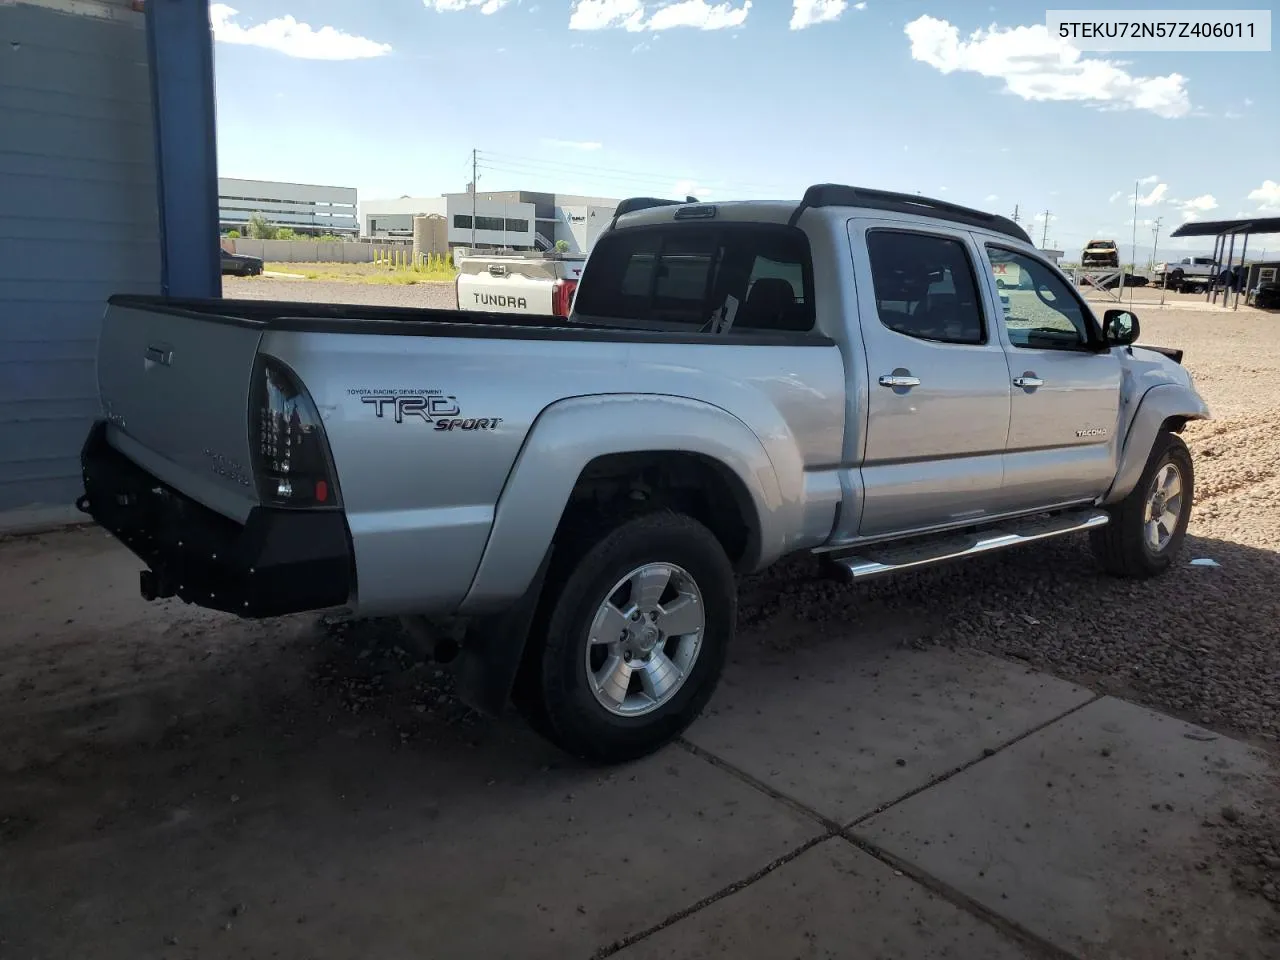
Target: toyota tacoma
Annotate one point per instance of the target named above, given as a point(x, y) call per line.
point(562, 504)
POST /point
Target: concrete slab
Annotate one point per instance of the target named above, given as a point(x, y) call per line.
point(842, 729)
point(496, 849)
point(1088, 834)
point(162, 768)
point(831, 901)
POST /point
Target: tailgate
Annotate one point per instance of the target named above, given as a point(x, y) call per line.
point(174, 387)
point(508, 287)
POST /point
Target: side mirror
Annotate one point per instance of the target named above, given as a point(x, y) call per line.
point(1120, 328)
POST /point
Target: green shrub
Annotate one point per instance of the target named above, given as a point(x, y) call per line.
point(260, 228)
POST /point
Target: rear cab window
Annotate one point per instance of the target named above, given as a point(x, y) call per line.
point(712, 278)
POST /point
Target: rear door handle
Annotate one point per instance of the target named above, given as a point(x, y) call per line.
point(897, 380)
point(1028, 382)
point(162, 355)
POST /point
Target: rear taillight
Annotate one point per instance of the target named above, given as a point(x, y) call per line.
point(562, 297)
point(290, 453)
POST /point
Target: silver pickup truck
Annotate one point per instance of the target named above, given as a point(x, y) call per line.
point(561, 505)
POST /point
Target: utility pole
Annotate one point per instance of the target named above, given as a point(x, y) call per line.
point(1044, 241)
point(474, 184)
point(1133, 243)
point(1015, 213)
point(1155, 239)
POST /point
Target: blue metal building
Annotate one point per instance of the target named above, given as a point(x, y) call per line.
point(107, 185)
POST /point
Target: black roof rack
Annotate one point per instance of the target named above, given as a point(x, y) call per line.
point(837, 195)
point(632, 204)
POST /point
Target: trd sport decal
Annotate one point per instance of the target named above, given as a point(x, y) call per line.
point(431, 406)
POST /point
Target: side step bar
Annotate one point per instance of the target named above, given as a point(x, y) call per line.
point(875, 561)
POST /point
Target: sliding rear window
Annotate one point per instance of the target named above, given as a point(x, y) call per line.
point(701, 277)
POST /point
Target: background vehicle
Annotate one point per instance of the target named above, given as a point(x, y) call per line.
point(1185, 275)
point(1265, 296)
point(540, 284)
point(1100, 253)
point(241, 264)
point(568, 501)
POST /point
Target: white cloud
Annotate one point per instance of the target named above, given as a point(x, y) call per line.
point(805, 13)
point(1147, 181)
point(991, 198)
point(487, 7)
point(1116, 196)
point(630, 15)
point(286, 35)
point(606, 14)
point(1035, 65)
point(1267, 197)
point(573, 144)
point(1156, 195)
point(1248, 101)
point(860, 5)
point(699, 14)
point(1191, 209)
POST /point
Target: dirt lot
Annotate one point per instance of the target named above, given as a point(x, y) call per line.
point(177, 784)
point(432, 294)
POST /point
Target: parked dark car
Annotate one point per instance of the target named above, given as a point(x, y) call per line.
point(1266, 296)
point(241, 264)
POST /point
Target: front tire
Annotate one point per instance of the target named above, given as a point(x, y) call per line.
point(635, 639)
point(1148, 526)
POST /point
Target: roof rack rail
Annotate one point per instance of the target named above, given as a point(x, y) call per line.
point(838, 195)
point(632, 204)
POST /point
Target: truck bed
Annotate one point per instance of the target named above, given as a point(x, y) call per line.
point(302, 317)
point(423, 418)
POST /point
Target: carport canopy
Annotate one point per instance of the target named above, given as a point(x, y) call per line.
point(1221, 230)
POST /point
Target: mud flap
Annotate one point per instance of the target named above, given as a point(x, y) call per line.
point(486, 666)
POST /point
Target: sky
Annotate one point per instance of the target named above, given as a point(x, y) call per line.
point(975, 103)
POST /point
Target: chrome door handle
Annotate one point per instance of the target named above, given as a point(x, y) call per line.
point(1027, 383)
point(894, 380)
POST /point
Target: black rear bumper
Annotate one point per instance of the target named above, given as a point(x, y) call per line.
point(280, 561)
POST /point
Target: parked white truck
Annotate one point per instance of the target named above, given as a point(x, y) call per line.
point(1187, 275)
point(566, 502)
point(534, 284)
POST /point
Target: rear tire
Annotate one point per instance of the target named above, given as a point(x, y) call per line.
point(1148, 526)
point(614, 699)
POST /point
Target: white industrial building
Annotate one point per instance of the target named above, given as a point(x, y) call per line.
point(302, 207)
point(516, 219)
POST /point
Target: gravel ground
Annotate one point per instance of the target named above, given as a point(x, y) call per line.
point(435, 295)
